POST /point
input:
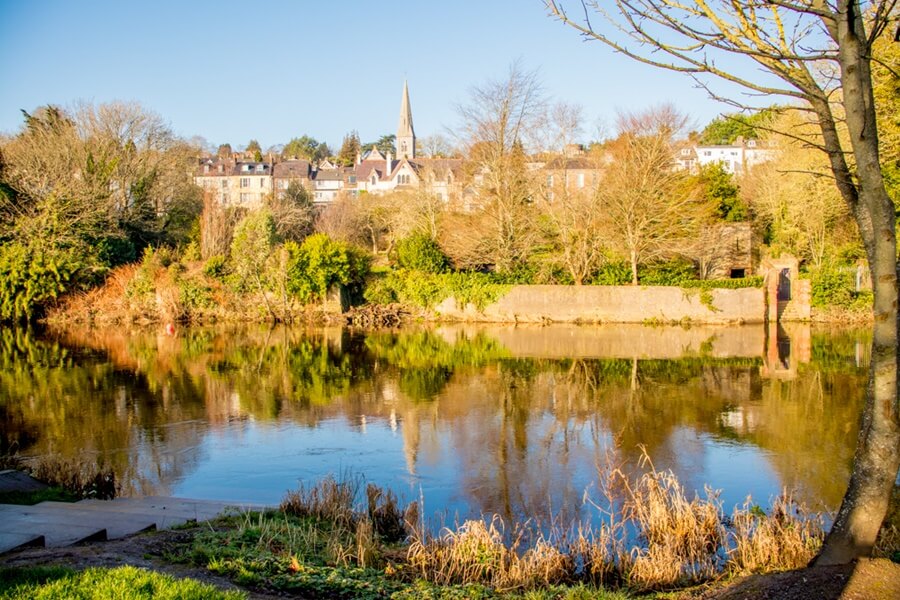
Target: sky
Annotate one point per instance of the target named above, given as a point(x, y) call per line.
point(236, 71)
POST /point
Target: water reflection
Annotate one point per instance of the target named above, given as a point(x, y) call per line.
point(502, 419)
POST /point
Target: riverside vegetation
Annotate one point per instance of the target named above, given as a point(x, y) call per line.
point(129, 237)
point(342, 538)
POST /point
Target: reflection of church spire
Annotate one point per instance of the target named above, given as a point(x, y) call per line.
point(411, 438)
point(406, 136)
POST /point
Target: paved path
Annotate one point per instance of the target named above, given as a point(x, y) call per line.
point(54, 524)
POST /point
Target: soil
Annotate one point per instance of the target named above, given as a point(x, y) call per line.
point(868, 579)
point(875, 579)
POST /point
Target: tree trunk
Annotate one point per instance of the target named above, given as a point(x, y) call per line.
point(877, 458)
point(634, 268)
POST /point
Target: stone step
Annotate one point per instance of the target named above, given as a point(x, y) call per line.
point(117, 524)
point(14, 541)
point(65, 523)
point(159, 519)
point(55, 531)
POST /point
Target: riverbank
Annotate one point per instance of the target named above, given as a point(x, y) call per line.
point(313, 548)
point(149, 293)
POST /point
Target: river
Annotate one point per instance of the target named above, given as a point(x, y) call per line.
point(471, 419)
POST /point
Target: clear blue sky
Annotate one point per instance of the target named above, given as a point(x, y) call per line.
point(232, 71)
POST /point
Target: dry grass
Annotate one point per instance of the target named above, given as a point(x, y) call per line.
point(652, 536)
point(84, 478)
point(329, 499)
point(787, 538)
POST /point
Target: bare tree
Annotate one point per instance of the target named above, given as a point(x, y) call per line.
point(817, 53)
point(649, 208)
point(497, 123)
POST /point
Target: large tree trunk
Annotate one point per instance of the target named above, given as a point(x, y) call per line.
point(877, 456)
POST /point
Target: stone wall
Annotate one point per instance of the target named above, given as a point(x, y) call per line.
point(615, 304)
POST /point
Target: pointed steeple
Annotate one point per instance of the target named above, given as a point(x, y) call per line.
point(406, 136)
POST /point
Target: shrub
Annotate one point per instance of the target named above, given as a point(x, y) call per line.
point(214, 267)
point(673, 272)
point(614, 273)
point(833, 286)
point(32, 278)
point(420, 252)
point(321, 262)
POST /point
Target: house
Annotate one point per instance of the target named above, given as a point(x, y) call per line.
point(735, 158)
point(296, 171)
point(235, 183)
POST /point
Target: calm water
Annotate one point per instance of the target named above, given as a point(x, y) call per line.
point(513, 420)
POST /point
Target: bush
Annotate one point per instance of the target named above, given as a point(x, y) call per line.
point(321, 262)
point(214, 267)
point(726, 284)
point(32, 278)
point(420, 252)
point(833, 285)
point(674, 272)
point(614, 273)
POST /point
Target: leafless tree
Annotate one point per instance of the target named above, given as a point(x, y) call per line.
point(497, 124)
point(648, 208)
point(817, 53)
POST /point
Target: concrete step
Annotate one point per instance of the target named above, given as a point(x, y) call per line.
point(15, 541)
point(64, 523)
point(117, 524)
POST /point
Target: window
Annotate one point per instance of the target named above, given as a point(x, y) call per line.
point(403, 179)
point(206, 168)
point(245, 198)
point(707, 153)
point(262, 182)
point(580, 180)
point(549, 180)
point(224, 184)
point(245, 182)
point(374, 179)
point(351, 180)
point(685, 151)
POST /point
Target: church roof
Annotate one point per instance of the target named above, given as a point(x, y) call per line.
point(405, 127)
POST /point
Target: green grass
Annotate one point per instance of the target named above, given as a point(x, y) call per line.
point(56, 494)
point(121, 583)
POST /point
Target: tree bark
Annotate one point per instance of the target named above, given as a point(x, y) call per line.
point(877, 458)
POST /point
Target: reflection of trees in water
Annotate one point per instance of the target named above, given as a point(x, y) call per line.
point(527, 433)
point(79, 406)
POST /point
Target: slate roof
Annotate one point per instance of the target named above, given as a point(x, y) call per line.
point(292, 169)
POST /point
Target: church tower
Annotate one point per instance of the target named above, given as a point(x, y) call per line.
point(406, 137)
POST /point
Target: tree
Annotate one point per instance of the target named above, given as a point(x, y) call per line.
point(794, 197)
point(500, 118)
point(305, 147)
point(224, 151)
point(254, 148)
point(649, 210)
point(818, 54)
point(435, 146)
point(292, 211)
point(251, 247)
point(384, 144)
point(350, 149)
point(726, 129)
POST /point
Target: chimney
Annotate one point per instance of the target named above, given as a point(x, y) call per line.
point(358, 158)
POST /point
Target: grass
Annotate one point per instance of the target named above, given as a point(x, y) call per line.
point(342, 539)
point(121, 583)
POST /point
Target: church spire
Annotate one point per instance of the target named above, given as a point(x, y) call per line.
point(406, 136)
